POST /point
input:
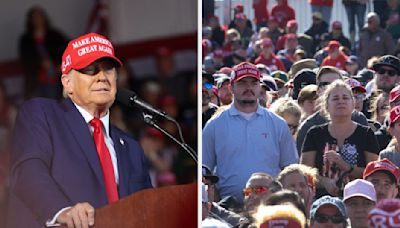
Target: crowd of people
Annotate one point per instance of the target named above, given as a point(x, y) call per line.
point(300, 129)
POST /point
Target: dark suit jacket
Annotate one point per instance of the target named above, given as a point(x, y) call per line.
point(54, 163)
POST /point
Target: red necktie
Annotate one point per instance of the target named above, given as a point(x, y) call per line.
point(105, 160)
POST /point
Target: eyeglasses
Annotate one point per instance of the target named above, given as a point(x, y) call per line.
point(323, 84)
point(391, 73)
point(207, 85)
point(364, 204)
point(384, 107)
point(257, 190)
point(336, 219)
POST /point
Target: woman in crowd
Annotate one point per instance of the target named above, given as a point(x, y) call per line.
point(380, 107)
point(341, 148)
point(289, 110)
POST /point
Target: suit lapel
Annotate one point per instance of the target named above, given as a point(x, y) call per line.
point(80, 131)
point(121, 152)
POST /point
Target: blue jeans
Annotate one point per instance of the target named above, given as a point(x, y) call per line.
point(326, 12)
point(353, 12)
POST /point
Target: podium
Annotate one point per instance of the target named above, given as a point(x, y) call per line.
point(171, 206)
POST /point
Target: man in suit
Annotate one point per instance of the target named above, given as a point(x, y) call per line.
point(67, 159)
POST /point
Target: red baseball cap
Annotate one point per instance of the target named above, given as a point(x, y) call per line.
point(239, 8)
point(266, 42)
point(86, 49)
point(332, 45)
point(394, 94)
point(336, 25)
point(355, 85)
point(244, 69)
point(382, 165)
point(394, 115)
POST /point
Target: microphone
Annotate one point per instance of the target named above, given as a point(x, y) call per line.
point(130, 98)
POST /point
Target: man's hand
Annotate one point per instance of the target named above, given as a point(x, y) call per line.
point(79, 216)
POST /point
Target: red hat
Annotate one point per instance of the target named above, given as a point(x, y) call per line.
point(333, 45)
point(291, 24)
point(355, 85)
point(394, 115)
point(86, 49)
point(244, 69)
point(239, 8)
point(385, 213)
point(394, 94)
point(240, 16)
point(266, 42)
point(384, 165)
point(336, 25)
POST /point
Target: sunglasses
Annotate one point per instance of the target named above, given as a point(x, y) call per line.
point(323, 84)
point(257, 190)
point(391, 73)
point(336, 219)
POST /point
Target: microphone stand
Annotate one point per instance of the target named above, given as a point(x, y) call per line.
point(148, 118)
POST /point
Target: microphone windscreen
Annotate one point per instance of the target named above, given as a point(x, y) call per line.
point(125, 96)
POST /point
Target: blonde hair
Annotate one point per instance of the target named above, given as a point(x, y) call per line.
point(279, 212)
point(284, 106)
point(338, 83)
point(374, 108)
point(310, 173)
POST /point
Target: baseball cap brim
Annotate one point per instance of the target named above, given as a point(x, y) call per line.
point(91, 58)
point(359, 88)
point(377, 65)
point(244, 76)
point(357, 194)
point(343, 213)
point(382, 168)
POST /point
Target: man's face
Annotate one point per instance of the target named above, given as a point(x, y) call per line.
point(334, 53)
point(332, 213)
point(297, 182)
point(259, 186)
point(384, 187)
point(225, 93)
point(325, 80)
point(357, 209)
point(246, 91)
point(93, 87)
point(386, 78)
point(309, 106)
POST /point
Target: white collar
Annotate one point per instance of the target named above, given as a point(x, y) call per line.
point(88, 117)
